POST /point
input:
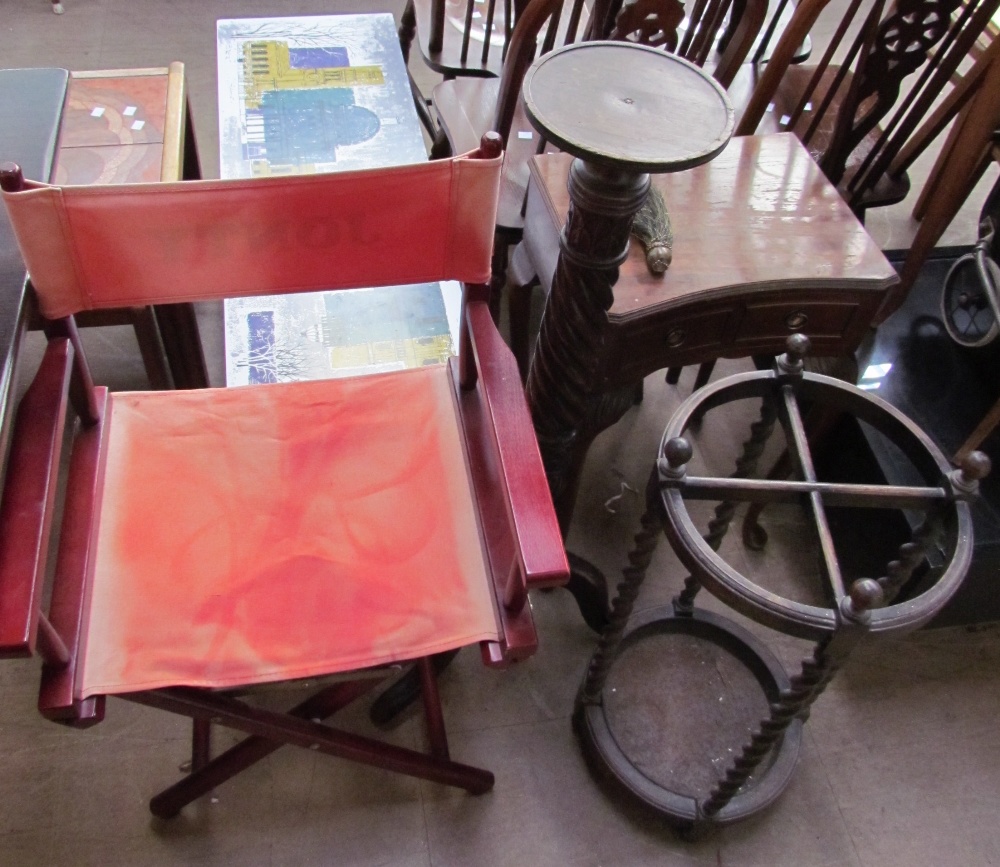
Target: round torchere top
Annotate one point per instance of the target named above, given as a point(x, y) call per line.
point(628, 106)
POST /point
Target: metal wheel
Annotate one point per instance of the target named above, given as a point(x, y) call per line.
point(969, 308)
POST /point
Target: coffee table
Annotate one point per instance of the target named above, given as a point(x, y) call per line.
point(323, 93)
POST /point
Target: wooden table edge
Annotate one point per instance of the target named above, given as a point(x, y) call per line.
point(143, 72)
point(822, 284)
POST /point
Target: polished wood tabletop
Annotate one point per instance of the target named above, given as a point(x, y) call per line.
point(763, 246)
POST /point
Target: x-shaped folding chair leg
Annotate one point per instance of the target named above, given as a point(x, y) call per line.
point(300, 726)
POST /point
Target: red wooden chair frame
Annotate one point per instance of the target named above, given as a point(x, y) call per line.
point(519, 533)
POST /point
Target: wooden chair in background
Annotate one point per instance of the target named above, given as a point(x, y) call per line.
point(982, 55)
point(855, 115)
point(471, 38)
point(219, 539)
point(459, 37)
point(969, 149)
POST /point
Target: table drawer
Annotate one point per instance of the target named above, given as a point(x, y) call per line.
point(822, 320)
point(668, 339)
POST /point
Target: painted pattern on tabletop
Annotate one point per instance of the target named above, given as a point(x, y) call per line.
point(321, 94)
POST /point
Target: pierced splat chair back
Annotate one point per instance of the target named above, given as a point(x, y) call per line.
point(472, 38)
point(713, 33)
point(223, 538)
point(880, 75)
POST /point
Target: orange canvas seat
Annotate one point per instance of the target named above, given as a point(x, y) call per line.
point(296, 491)
point(222, 538)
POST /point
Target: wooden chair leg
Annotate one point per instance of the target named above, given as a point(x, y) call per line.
point(407, 30)
point(440, 146)
point(301, 727)
point(432, 708)
point(704, 374)
point(440, 141)
point(211, 774)
point(983, 430)
point(405, 691)
point(178, 326)
point(498, 282)
point(519, 311)
point(154, 358)
point(201, 744)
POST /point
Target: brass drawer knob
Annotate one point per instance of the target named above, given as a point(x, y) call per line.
point(796, 321)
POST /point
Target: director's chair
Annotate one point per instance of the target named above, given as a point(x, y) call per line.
point(217, 539)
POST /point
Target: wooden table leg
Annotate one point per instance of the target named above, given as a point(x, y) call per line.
point(182, 344)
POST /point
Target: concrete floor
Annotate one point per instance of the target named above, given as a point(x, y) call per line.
point(900, 763)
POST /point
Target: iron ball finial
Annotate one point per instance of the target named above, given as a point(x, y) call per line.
point(865, 594)
point(796, 348)
point(678, 452)
point(975, 466)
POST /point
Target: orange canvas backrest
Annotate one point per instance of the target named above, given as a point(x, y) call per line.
point(97, 247)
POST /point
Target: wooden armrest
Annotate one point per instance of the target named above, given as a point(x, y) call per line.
point(540, 555)
point(56, 699)
point(521, 537)
point(28, 499)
